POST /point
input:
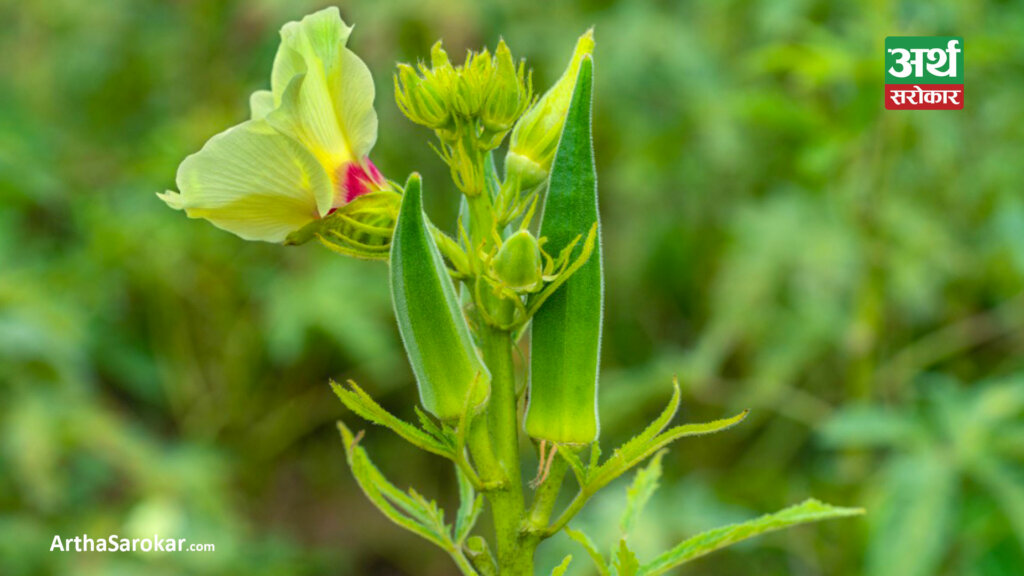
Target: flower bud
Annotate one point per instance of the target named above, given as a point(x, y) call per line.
point(422, 100)
point(535, 136)
point(472, 83)
point(508, 97)
point(439, 61)
point(518, 263)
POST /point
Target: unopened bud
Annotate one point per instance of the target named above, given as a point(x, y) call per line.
point(509, 94)
point(535, 136)
point(422, 99)
point(472, 83)
point(518, 263)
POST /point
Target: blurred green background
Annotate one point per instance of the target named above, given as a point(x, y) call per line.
point(772, 236)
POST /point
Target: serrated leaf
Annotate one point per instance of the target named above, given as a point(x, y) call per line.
point(583, 540)
point(707, 542)
point(626, 563)
point(470, 506)
point(639, 493)
point(595, 456)
point(410, 511)
point(358, 401)
point(434, 331)
point(566, 329)
point(575, 465)
point(652, 439)
point(429, 425)
point(561, 568)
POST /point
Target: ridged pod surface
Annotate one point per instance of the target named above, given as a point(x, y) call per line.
point(434, 331)
point(565, 345)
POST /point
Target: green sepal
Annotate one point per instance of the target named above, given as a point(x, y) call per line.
point(566, 330)
point(434, 331)
point(362, 228)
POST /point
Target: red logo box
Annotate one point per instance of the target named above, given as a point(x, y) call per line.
point(924, 96)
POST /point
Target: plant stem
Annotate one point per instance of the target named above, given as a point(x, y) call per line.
point(465, 567)
point(494, 436)
point(536, 524)
point(495, 445)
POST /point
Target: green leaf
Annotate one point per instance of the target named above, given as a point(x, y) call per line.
point(588, 545)
point(639, 493)
point(470, 506)
point(436, 337)
point(566, 330)
point(870, 427)
point(410, 511)
point(633, 452)
point(1006, 485)
point(707, 542)
point(561, 568)
point(575, 465)
point(429, 424)
point(358, 401)
point(626, 563)
point(652, 439)
point(915, 513)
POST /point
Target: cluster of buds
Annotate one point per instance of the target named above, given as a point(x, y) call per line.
point(471, 107)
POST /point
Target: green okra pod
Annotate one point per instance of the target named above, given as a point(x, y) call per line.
point(434, 331)
point(566, 330)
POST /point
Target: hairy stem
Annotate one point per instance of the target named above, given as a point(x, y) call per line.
point(499, 424)
point(465, 567)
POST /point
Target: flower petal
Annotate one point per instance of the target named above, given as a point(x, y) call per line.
point(353, 103)
point(261, 103)
point(331, 110)
point(254, 182)
point(300, 114)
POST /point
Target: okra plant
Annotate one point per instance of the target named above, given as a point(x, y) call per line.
point(523, 264)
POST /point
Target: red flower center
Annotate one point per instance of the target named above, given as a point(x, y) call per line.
point(357, 180)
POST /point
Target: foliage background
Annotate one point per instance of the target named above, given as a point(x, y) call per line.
point(772, 235)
